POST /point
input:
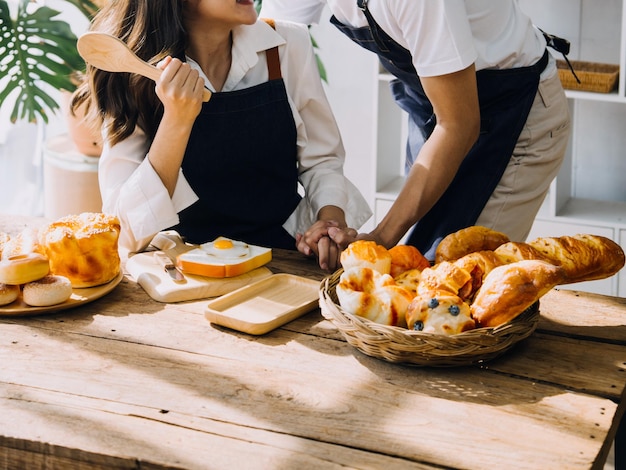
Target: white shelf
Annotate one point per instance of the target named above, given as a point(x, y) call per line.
point(609, 213)
point(613, 97)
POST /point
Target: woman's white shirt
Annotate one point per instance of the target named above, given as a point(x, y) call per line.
point(133, 191)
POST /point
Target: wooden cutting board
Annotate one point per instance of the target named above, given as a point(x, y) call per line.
point(145, 270)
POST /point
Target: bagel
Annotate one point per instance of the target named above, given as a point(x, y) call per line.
point(23, 268)
point(49, 290)
point(8, 293)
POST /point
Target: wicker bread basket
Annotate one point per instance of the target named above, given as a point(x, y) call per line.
point(600, 78)
point(401, 345)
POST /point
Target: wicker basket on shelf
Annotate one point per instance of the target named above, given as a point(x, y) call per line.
point(600, 78)
point(401, 345)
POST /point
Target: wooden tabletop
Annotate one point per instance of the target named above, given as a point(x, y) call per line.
point(128, 382)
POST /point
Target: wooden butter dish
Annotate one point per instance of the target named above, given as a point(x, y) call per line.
point(265, 305)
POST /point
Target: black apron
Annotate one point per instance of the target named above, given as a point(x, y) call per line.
point(505, 98)
point(241, 161)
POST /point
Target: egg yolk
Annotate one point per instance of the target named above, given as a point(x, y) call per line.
point(223, 244)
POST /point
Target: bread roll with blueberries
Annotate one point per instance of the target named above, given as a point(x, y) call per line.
point(433, 312)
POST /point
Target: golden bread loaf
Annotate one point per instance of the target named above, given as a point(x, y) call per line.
point(439, 313)
point(468, 240)
point(83, 248)
point(406, 257)
point(365, 292)
point(366, 254)
point(583, 257)
point(510, 289)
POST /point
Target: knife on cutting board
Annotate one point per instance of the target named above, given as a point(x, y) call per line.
point(168, 265)
point(145, 269)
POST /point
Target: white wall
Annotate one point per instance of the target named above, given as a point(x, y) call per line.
point(351, 90)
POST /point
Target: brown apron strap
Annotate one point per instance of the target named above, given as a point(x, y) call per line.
point(273, 61)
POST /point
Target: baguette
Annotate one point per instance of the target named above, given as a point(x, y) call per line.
point(510, 289)
point(518, 251)
point(468, 240)
point(583, 257)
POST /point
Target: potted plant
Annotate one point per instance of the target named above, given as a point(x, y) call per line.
point(37, 49)
point(39, 64)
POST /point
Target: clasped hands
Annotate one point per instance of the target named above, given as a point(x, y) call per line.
point(325, 240)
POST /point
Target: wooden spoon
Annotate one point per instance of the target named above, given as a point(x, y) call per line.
point(110, 54)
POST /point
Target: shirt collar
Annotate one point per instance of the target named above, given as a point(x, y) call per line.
point(248, 42)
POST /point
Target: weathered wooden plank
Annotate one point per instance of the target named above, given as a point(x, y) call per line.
point(587, 316)
point(79, 432)
point(294, 389)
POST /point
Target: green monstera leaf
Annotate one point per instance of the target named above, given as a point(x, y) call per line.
point(35, 49)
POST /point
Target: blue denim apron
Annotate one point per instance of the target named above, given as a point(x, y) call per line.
point(241, 161)
point(505, 98)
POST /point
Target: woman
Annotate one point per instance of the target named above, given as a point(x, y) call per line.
point(488, 117)
point(231, 166)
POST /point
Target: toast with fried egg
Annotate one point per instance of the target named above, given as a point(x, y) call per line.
point(223, 257)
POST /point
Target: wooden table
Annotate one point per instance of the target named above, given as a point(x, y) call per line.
point(127, 382)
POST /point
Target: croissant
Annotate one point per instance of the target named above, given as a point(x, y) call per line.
point(510, 289)
point(444, 277)
point(468, 240)
point(478, 264)
point(583, 257)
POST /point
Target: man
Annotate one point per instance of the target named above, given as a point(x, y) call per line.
point(488, 117)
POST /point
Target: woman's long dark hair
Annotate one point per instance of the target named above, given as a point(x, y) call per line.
point(152, 29)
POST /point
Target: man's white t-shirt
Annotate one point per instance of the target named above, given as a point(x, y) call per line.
point(443, 36)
